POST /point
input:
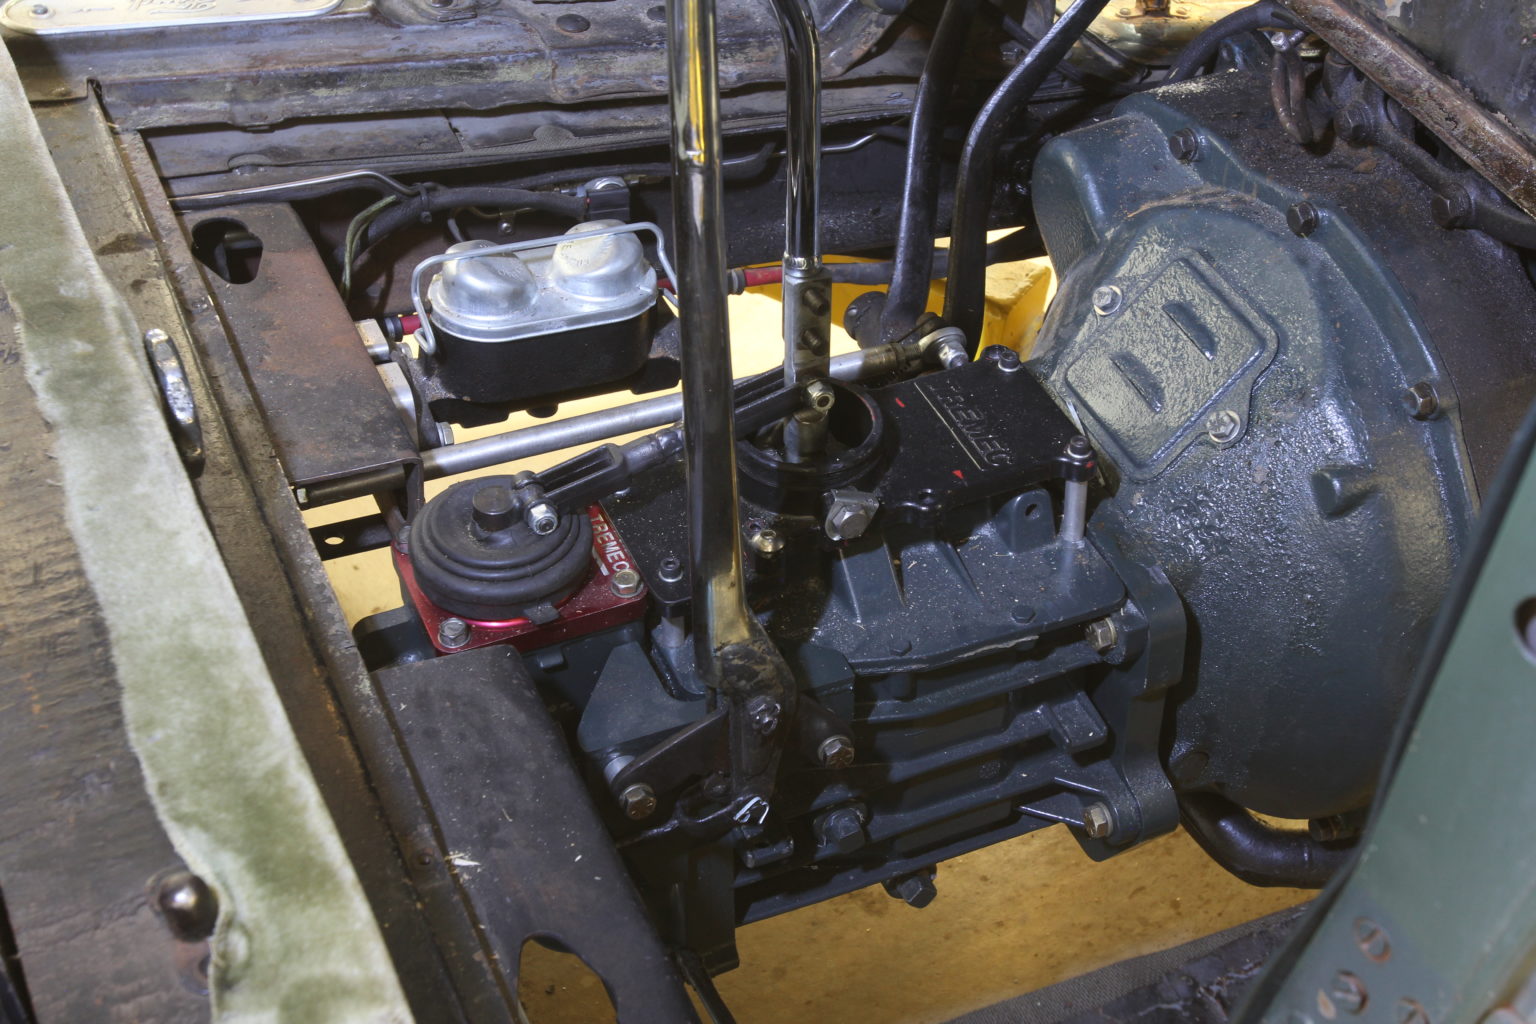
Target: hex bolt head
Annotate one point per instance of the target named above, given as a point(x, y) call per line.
point(841, 829)
point(188, 906)
point(453, 632)
point(836, 752)
point(916, 889)
point(1184, 144)
point(1452, 206)
point(1353, 124)
point(1097, 821)
point(1107, 299)
point(1303, 218)
point(848, 522)
point(1102, 634)
point(763, 712)
point(1422, 401)
point(1223, 426)
point(493, 508)
point(626, 583)
point(670, 569)
point(542, 518)
point(638, 801)
point(1347, 992)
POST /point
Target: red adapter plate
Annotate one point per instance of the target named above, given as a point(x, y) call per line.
point(593, 607)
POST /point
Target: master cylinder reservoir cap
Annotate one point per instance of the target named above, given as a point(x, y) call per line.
point(602, 270)
point(480, 299)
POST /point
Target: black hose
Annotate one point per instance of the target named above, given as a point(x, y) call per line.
point(1023, 244)
point(908, 295)
point(410, 211)
point(1255, 852)
point(965, 300)
point(1200, 50)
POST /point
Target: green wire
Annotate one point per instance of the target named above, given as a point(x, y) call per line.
point(354, 232)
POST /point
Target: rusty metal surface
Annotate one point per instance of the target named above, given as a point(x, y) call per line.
point(355, 62)
point(1488, 143)
point(327, 408)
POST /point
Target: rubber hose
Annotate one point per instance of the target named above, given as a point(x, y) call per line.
point(908, 295)
point(1198, 53)
point(965, 300)
point(1255, 852)
point(409, 211)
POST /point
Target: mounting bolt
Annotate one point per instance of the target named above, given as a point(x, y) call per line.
point(1184, 144)
point(835, 752)
point(626, 583)
point(1303, 218)
point(1102, 634)
point(1097, 821)
point(188, 906)
point(670, 569)
point(638, 801)
point(1107, 299)
point(1353, 124)
point(1223, 426)
point(1411, 1011)
point(1347, 992)
point(842, 829)
point(849, 514)
point(763, 712)
point(40, 11)
point(453, 632)
point(1422, 401)
point(542, 518)
point(915, 889)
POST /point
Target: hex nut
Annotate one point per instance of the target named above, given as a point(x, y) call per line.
point(626, 583)
point(1102, 634)
point(638, 801)
point(542, 518)
point(1097, 821)
point(763, 712)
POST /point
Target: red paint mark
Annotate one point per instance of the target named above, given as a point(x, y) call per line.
point(901, 403)
point(959, 474)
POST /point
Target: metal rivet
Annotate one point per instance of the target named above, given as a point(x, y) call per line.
point(41, 11)
point(1223, 426)
point(1372, 940)
point(1411, 1011)
point(1348, 992)
point(1107, 299)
